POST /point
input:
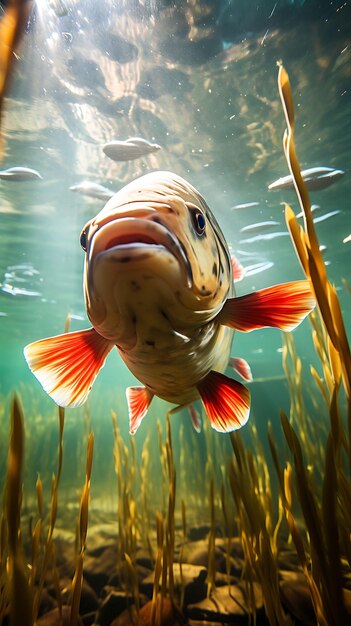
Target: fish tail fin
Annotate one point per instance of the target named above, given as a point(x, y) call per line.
point(67, 365)
point(282, 306)
point(226, 401)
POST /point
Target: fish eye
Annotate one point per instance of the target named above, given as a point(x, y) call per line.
point(83, 240)
point(199, 221)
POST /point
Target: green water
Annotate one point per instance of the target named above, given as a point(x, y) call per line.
point(209, 97)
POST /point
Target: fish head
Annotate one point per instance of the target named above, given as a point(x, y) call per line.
point(155, 251)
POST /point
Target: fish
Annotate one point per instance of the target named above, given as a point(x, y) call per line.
point(19, 174)
point(257, 268)
point(158, 286)
point(93, 190)
point(315, 178)
point(253, 228)
point(245, 205)
point(314, 209)
point(346, 239)
point(326, 216)
point(10, 290)
point(265, 237)
point(129, 149)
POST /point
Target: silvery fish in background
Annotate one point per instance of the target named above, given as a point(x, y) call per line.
point(130, 149)
point(19, 174)
point(93, 190)
point(315, 178)
point(258, 226)
point(158, 285)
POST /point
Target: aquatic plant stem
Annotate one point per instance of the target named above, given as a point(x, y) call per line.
point(20, 592)
point(83, 529)
point(307, 248)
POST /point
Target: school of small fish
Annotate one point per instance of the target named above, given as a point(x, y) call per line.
point(158, 283)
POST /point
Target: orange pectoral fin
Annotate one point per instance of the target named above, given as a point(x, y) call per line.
point(67, 365)
point(226, 401)
point(138, 399)
point(281, 306)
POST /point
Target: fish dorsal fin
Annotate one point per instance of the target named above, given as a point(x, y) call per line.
point(67, 365)
point(226, 401)
point(241, 367)
point(238, 269)
point(138, 399)
point(282, 306)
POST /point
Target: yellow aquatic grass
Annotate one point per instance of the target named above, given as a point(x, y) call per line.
point(83, 529)
point(211, 566)
point(12, 24)
point(314, 268)
point(135, 583)
point(20, 594)
point(158, 567)
point(257, 528)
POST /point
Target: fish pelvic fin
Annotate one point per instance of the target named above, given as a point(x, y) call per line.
point(226, 401)
point(67, 365)
point(241, 367)
point(238, 269)
point(282, 306)
point(138, 399)
point(195, 417)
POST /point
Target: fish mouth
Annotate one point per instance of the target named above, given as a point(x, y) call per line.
point(128, 238)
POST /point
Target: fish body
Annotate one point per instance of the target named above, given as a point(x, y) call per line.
point(315, 178)
point(130, 149)
point(93, 190)
point(20, 174)
point(158, 285)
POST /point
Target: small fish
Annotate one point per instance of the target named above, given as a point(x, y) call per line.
point(265, 237)
point(257, 268)
point(17, 174)
point(314, 208)
point(159, 286)
point(130, 149)
point(347, 239)
point(315, 178)
point(93, 190)
point(18, 291)
point(253, 228)
point(326, 216)
point(246, 205)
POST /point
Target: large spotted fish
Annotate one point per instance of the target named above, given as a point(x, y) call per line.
point(159, 286)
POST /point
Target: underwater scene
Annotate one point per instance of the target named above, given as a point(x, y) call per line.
point(175, 198)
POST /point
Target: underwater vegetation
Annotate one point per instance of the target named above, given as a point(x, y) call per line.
point(276, 547)
point(12, 22)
